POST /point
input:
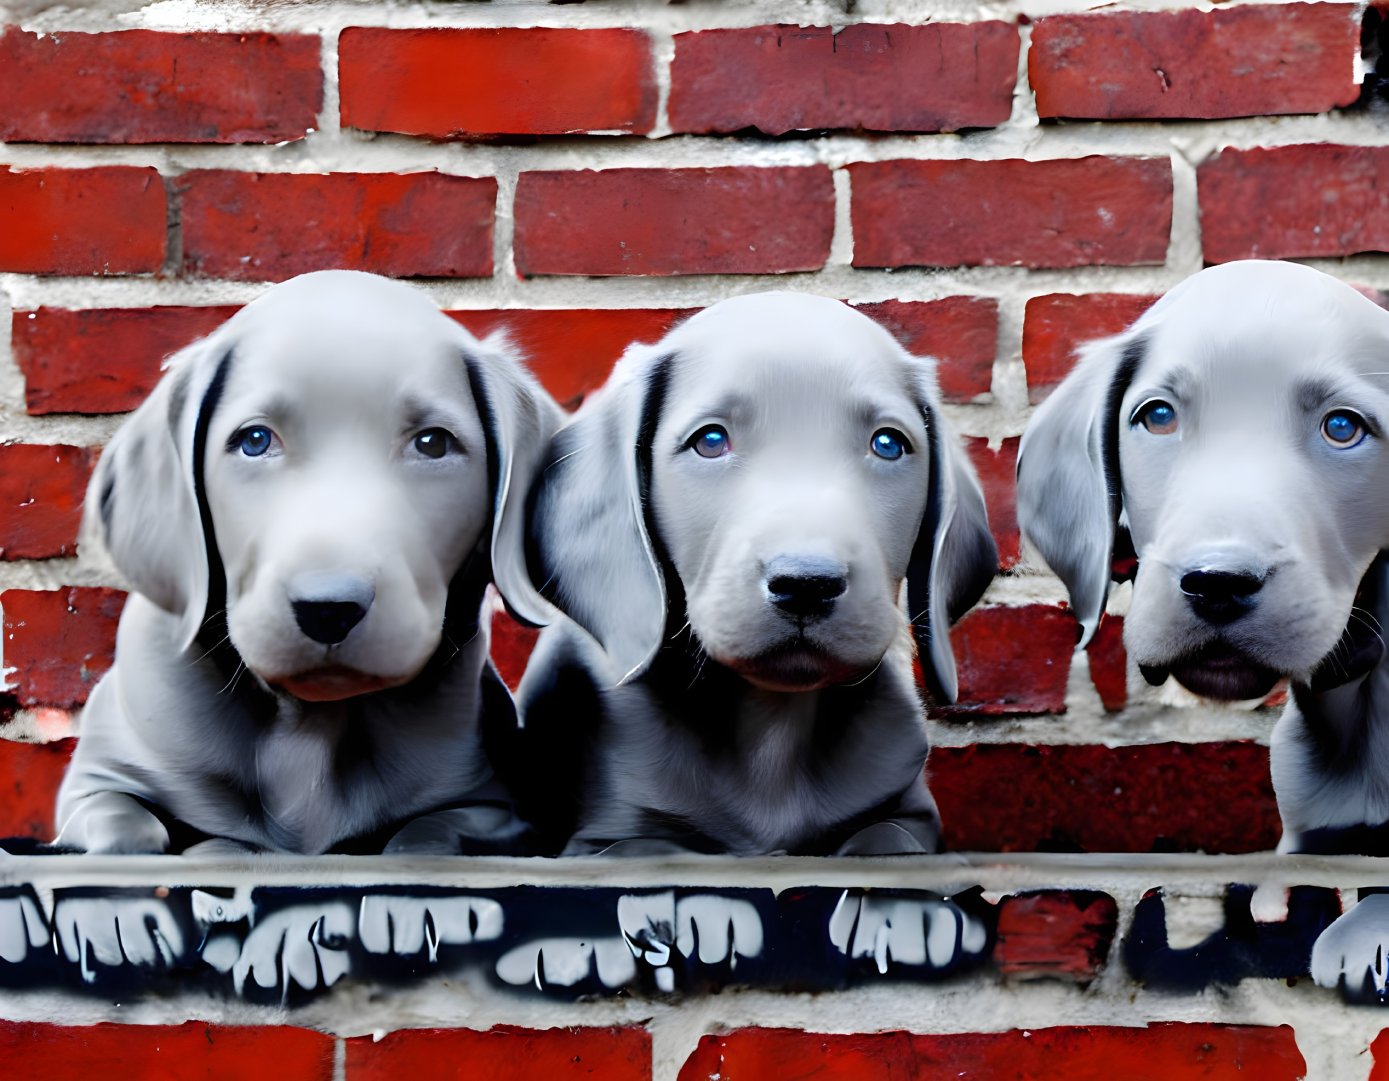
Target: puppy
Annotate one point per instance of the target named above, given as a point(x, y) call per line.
point(746, 525)
point(308, 509)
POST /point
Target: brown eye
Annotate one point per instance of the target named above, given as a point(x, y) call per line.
point(1157, 416)
point(1343, 429)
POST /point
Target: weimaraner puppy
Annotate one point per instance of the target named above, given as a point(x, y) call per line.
point(308, 509)
point(1234, 440)
point(745, 526)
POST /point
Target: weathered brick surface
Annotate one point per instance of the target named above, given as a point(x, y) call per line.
point(960, 332)
point(1093, 211)
point(1013, 660)
point(937, 77)
point(1163, 797)
point(1379, 1052)
point(144, 86)
point(30, 774)
point(1056, 325)
point(101, 360)
point(269, 226)
point(1159, 1052)
point(1057, 934)
point(59, 641)
point(41, 489)
point(537, 81)
point(674, 221)
point(1243, 61)
point(996, 470)
point(502, 1054)
point(190, 1052)
point(1294, 201)
point(105, 220)
point(1109, 663)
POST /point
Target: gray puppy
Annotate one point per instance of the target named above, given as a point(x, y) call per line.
point(746, 525)
point(308, 509)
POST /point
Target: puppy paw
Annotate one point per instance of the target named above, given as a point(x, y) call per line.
point(1349, 956)
point(480, 829)
point(883, 839)
point(112, 823)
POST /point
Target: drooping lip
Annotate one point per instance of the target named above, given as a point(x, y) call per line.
point(332, 683)
point(1218, 670)
point(793, 667)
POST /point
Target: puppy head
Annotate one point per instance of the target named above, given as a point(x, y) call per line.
point(322, 467)
point(785, 462)
point(1234, 436)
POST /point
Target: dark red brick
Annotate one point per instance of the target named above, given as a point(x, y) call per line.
point(1311, 200)
point(960, 332)
point(1056, 325)
point(1160, 1052)
point(194, 1051)
point(1095, 211)
point(58, 641)
point(1109, 663)
point(106, 220)
point(30, 774)
point(1240, 61)
point(101, 360)
point(997, 469)
point(1013, 660)
point(937, 77)
point(269, 226)
point(502, 1054)
point(674, 221)
point(572, 350)
point(1061, 934)
point(144, 86)
point(41, 490)
point(1163, 797)
point(1379, 1052)
point(512, 643)
point(533, 81)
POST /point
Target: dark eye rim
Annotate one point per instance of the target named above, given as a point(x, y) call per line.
point(693, 442)
point(897, 434)
point(1362, 425)
point(1140, 412)
point(452, 444)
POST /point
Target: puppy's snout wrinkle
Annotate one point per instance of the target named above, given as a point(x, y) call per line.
point(328, 606)
point(1222, 594)
point(806, 586)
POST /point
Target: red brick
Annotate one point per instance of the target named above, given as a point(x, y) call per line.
point(512, 643)
point(938, 77)
point(535, 81)
point(142, 86)
point(101, 360)
point(1056, 325)
point(1109, 663)
point(41, 490)
point(960, 332)
point(502, 1054)
point(1312, 200)
point(1379, 1052)
point(107, 220)
point(997, 470)
point(58, 641)
point(572, 350)
point(269, 226)
point(30, 774)
point(1163, 797)
point(1094, 211)
point(674, 221)
point(1241, 61)
point(1013, 660)
point(1055, 933)
point(1159, 1052)
point(195, 1051)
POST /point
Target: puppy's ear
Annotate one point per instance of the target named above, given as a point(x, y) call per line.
point(591, 550)
point(518, 419)
point(1070, 492)
point(143, 503)
point(955, 557)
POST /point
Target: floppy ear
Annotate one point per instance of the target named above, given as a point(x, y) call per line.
point(591, 550)
point(518, 419)
point(955, 557)
point(144, 503)
point(1070, 493)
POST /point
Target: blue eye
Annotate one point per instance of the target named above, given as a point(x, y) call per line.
point(710, 442)
point(254, 441)
point(889, 443)
point(1157, 416)
point(433, 442)
point(1343, 429)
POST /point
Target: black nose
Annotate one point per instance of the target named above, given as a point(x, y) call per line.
point(1221, 596)
point(328, 606)
point(805, 587)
